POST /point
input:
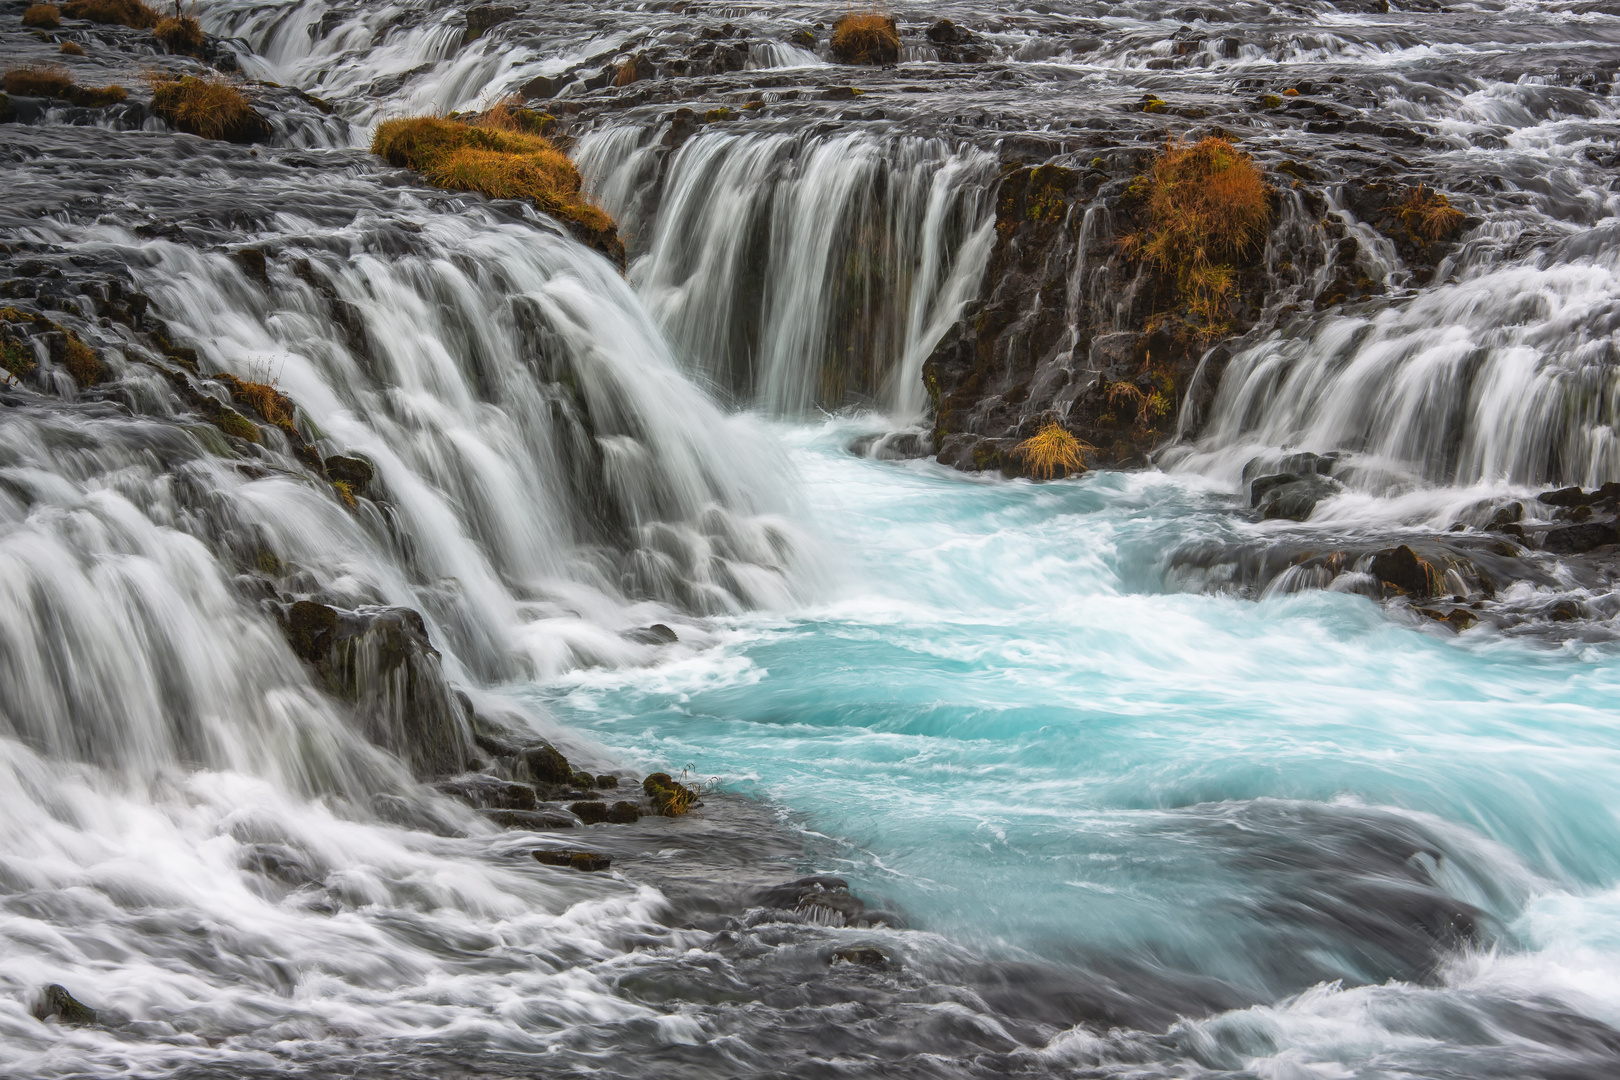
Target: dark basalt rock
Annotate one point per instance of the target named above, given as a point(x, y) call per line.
point(1401, 569)
point(574, 860)
point(860, 956)
point(957, 44)
point(381, 660)
point(530, 820)
point(656, 634)
point(547, 765)
point(1578, 539)
point(481, 19)
point(1291, 497)
point(56, 1002)
point(1034, 348)
point(357, 472)
point(598, 813)
point(820, 899)
point(484, 792)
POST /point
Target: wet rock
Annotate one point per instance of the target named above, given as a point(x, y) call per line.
point(253, 263)
point(607, 781)
point(531, 820)
point(592, 813)
point(1578, 539)
point(1574, 496)
point(55, 1002)
point(1458, 619)
point(380, 659)
point(480, 19)
point(1401, 569)
point(545, 86)
point(1291, 497)
point(583, 780)
point(957, 44)
point(356, 472)
point(574, 860)
point(820, 899)
point(656, 634)
point(484, 792)
point(547, 765)
point(860, 956)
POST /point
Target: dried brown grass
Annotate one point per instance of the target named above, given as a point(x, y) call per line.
point(1207, 205)
point(179, 34)
point(1050, 449)
point(117, 12)
point(209, 108)
point(1429, 214)
point(42, 16)
point(494, 155)
point(865, 38)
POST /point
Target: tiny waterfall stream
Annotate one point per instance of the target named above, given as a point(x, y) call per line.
point(1127, 780)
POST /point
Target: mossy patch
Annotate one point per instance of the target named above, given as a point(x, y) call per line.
point(236, 425)
point(81, 362)
point(498, 155)
point(17, 358)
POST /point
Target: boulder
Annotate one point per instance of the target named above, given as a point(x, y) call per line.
point(356, 472)
point(1400, 568)
point(547, 765)
point(480, 19)
point(574, 860)
point(1290, 496)
point(861, 956)
point(1578, 539)
point(531, 820)
point(656, 634)
point(484, 792)
point(55, 1002)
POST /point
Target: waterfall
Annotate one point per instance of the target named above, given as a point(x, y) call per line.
point(800, 270)
point(1507, 375)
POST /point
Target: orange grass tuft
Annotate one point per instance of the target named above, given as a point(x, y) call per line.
point(865, 38)
point(42, 16)
point(1429, 214)
point(1050, 449)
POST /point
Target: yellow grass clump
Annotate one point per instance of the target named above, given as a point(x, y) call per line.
point(865, 38)
point(55, 82)
point(1050, 449)
point(209, 108)
point(1429, 214)
point(72, 48)
point(179, 34)
point(42, 16)
point(498, 154)
point(1207, 205)
point(118, 12)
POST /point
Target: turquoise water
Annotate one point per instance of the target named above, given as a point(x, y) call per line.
point(999, 724)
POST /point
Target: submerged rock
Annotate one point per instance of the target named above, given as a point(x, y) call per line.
point(1401, 569)
point(56, 1003)
point(1578, 539)
point(1289, 496)
point(574, 860)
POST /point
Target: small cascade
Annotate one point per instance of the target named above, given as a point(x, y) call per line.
point(796, 270)
point(1506, 375)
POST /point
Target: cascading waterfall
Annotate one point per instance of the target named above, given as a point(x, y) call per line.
point(798, 271)
point(1507, 375)
point(1133, 830)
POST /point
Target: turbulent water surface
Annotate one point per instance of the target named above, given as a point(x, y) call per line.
point(1112, 807)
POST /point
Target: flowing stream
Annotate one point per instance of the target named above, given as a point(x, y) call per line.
point(1114, 819)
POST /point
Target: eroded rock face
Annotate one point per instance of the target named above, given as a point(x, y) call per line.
point(381, 660)
point(480, 19)
point(1043, 345)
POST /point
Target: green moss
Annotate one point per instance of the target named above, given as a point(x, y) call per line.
point(237, 426)
point(1153, 105)
point(17, 358)
point(718, 115)
point(1271, 101)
